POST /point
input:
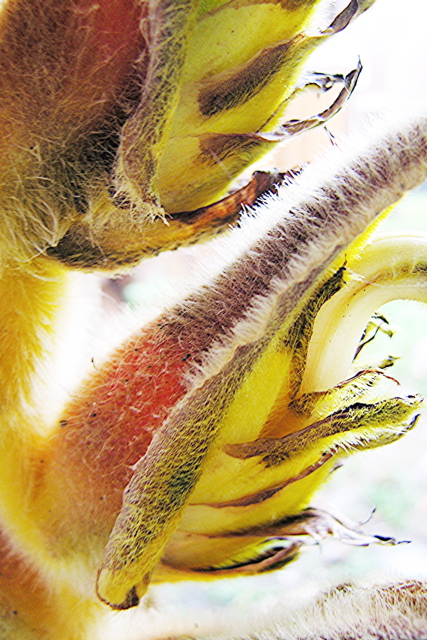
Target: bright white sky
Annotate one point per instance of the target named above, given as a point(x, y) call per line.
point(391, 41)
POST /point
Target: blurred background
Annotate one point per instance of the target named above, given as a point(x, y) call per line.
point(391, 41)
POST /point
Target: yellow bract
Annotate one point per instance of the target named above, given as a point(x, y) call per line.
point(233, 80)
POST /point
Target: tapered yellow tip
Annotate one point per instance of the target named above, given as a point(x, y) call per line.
point(121, 589)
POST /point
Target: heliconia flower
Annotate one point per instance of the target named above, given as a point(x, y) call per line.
point(122, 116)
point(193, 451)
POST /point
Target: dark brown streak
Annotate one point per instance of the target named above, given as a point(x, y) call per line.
point(275, 561)
point(229, 208)
point(242, 86)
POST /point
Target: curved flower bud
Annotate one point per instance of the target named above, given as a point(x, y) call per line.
point(122, 116)
point(259, 316)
